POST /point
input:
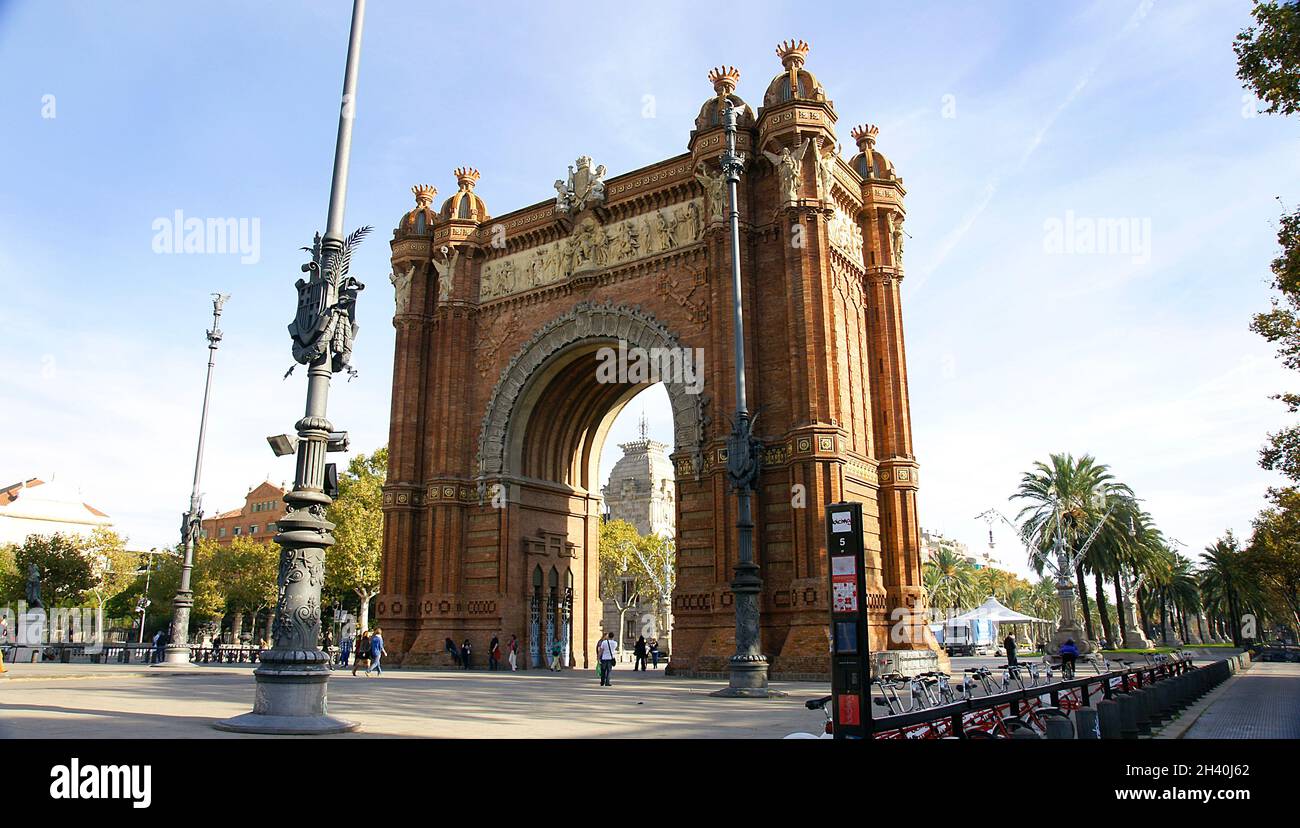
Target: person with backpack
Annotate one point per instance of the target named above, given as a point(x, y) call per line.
point(363, 652)
point(607, 653)
point(377, 652)
point(494, 653)
point(556, 652)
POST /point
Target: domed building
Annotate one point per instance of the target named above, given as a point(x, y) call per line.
point(641, 490)
point(465, 204)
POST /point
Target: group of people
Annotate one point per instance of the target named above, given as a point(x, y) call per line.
point(366, 650)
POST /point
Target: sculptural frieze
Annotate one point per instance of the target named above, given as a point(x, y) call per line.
point(790, 167)
point(592, 245)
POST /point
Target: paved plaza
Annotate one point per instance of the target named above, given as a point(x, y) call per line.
point(1261, 703)
point(130, 702)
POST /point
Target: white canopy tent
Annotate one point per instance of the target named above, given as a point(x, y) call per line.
point(994, 610)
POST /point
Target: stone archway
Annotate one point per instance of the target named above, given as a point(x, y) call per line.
point(603, 323)
point(498, 319)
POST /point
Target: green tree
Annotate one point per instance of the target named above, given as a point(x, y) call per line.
point(246, 571)
point(1268, 63)
point(1068, 497)
point(65, 569)
point(10, 584)
point(1223, 580)
point(112, 567)
point(949, 581)
point(640, 561)
point(1273, 555)
point(353, 566)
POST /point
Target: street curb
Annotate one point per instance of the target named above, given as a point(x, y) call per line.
point(1177, 728)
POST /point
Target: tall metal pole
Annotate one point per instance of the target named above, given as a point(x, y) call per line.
point(748, 667)
point(178, 648)
point(292, 678)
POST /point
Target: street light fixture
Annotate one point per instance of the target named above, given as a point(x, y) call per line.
point(293, 674)
point(748, 667)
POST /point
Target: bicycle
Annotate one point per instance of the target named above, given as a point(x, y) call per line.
point(976, 676)
point(827, 731)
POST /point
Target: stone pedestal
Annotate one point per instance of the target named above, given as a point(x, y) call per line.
point(1133, 637)
point(1069, 628)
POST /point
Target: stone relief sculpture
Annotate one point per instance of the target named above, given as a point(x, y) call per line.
point(846, 235)
point(825, 170)
point(715, 190)
point(402, 287)
point(790, 166)
point(584, 188)
point(592, 245)
point(894, 222)
point(446, 272)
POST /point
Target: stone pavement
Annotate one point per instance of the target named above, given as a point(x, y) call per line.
point(128, 702)
point(1261, 703)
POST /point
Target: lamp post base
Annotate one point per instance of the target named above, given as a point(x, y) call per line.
point(175, 657)
point(748, 681)
point(288, 702)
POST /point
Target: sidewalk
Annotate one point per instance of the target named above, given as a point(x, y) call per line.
point(1261, 703)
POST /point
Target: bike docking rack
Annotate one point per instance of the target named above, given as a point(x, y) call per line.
point(1117, 704)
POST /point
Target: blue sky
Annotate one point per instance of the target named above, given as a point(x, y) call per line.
point(1001, 117)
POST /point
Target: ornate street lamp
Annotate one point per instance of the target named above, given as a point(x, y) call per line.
point(292, 677)
point(178, 649)
point(748, 667)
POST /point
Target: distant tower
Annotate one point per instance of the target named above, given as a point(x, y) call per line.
point(641, 486)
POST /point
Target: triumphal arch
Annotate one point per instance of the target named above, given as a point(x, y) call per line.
point(500, 406)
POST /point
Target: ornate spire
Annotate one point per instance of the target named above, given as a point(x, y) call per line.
point(424, 194)
point(865, 135)
point(725, 79)
point(645, 431)
point(792, 54)
point(466, 177)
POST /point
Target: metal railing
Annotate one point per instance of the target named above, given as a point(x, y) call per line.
point(956, 718)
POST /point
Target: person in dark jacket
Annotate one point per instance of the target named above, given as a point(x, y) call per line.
point(451, 648)
point(494, 653)
point(362, 657)
point(1009, 644)
point(1069, 653)
point(465, 652)
point(639, 652)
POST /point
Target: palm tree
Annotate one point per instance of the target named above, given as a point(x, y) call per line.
point(949, 580)
point(1066, 499)
point(1184, 591)
point(1222, 582)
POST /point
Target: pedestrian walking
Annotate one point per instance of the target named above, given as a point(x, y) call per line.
point(639, 652)
point(326, 642)
point(451, 648)
point(377, 652)
point(607, 652)
point(156, 655)
point(654, 653)
point(1009, 644)
point(465, 652)
point(4, 639)
point(513, 648)
point(556, 650)
point(362, 658)
point(345, 650)
point(494, 653)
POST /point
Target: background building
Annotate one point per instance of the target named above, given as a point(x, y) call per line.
point(263, 506)
point(34, 507)
point(640, 491)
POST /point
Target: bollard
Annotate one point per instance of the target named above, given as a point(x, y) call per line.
point(1086, 722)
point(1145, 707)
point(1059, 728)
point(1110, 718)
point(1129, 708)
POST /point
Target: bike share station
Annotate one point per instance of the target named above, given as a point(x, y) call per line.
point(850, 648)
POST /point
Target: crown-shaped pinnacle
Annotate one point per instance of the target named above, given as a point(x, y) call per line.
point(725, 79)
point(865, 135)
point(466, 177)
point(792, 53)
point(424, 194)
